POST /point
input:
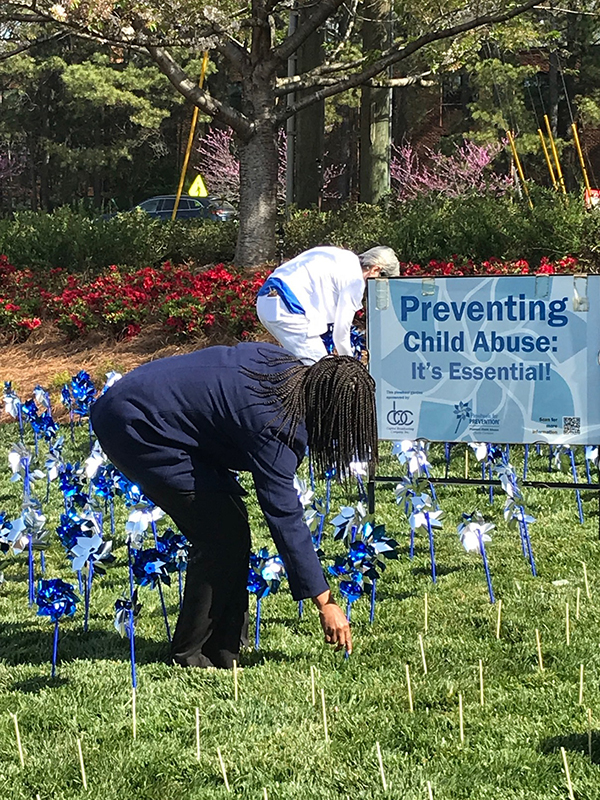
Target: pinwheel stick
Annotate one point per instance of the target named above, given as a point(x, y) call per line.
point(567, 624)
point(425, 613)
point(461, 720)
point(87, 594)
point(381, 768)
point(486, 567)
point(312, 686)
point(235, 680)
point(586, 582)
point(411, 707)
point(324, 711)
point(54, 649)
point(373, 595)
point(581, 684)
point(18, 738)
point(164, 610)
point(257, 630)
point(82, 765)
point(132, 648)
point(431, 548)
point(589, 726)
point(30, 569)
point(134, 711)
point(539, 650)
point(223, 770)
point(429, 791)
point(422, 648)
point(567, 773)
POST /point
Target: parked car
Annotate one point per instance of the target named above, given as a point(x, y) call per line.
point(211, 207)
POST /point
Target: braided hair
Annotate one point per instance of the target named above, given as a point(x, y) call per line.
point(334, 397)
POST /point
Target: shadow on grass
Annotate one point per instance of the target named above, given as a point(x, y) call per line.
point(20, 643)
point(37, 684)
point(575, 742)
point(441, 570)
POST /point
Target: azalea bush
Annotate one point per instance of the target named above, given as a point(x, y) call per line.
point(215, 302)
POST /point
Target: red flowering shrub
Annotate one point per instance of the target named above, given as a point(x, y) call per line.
point(216, 302)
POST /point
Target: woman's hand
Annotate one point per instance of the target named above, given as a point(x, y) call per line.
point(333, 621)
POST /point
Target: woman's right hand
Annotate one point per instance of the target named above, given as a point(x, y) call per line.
point(333, 621)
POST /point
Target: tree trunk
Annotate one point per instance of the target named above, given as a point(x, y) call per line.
point(375, 111)
point(258, 197)
point(310, 129)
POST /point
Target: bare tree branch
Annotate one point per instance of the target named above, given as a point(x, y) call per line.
point(323, 10)
point(28, 45)
point(200, 97)
point(312, 81)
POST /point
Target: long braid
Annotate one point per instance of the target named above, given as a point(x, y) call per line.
point(335, 397)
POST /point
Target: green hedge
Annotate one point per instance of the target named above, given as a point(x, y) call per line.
point(470, 227)
point(78, 243)
point(427, 228)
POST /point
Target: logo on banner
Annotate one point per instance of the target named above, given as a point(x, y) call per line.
point(462, 411)
point(401, 417)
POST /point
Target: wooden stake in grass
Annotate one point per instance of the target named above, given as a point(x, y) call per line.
point(539, 650)
point(18, 738)
point(223, 770)
point(313, 693)
point(567, 774)
point(235, 680)
point(265, 794)
point(498, 619)
point(429, 791)
point(589, 722)
point(567, 625)
point(81, 765)
point(324, 710)
point(197, 734)
point(423, 654)
point(581, 684)
point(381, 769)
point(467, 462)
point(411, 708)
point(461, 720)
point(578, 603)
point(586, 582)
point(426, 613)
point(134, 712)
point(481, 695)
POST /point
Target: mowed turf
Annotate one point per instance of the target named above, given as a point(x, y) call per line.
point(273, 737)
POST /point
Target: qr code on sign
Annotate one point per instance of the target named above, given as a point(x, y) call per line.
point(572, 425)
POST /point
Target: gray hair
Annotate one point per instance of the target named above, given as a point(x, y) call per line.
point(383, 257)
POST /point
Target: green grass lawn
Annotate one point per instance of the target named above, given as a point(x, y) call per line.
point(273, 737)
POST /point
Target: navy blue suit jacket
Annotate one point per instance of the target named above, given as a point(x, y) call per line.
point(186, 421)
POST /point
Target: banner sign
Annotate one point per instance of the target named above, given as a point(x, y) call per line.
point(499, 359)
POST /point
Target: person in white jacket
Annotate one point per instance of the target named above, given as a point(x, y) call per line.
point(320, 287)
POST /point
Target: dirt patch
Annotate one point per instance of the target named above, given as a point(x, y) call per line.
point(48, 359)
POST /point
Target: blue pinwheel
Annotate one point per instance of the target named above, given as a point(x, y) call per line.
point(264, 577)
point(150, 568)
point(12, 406)
point(70, 482)
point(55, 599)
point(474, 533)
point(126, 613)
point(90, 552)
point(175, 547)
